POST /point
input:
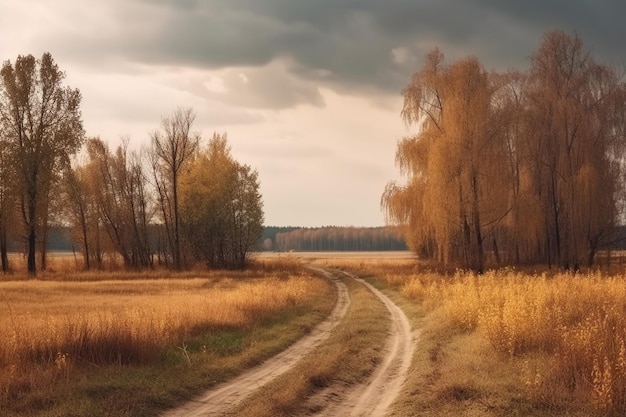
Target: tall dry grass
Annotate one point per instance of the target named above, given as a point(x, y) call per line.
point(570, 330)
point(566, 332)
point(48, 328)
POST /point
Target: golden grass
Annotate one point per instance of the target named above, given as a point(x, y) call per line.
point(50, 330)
point(563, 335)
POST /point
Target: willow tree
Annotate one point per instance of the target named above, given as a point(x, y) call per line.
point(42, 125)
point(453, 198)
point(576, 143)
point(529, 166)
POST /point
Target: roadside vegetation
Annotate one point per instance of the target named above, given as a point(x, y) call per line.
point(509, 342)
point(134, 345)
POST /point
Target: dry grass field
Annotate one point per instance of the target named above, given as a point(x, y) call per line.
point(502, 343)
point(64, 332)
point(511, 343)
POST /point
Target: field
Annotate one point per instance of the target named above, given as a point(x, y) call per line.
point(124, 344)
point(504, 343)
point(510, 343)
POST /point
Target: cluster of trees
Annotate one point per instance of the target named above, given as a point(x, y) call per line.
point(176, 201)
point(338, 239)
point(522, 166)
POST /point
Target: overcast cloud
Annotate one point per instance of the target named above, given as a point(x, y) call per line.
point(308, 91)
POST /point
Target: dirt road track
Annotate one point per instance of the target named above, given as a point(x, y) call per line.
point(219, 400)
point(371, 398)
point(374, 397)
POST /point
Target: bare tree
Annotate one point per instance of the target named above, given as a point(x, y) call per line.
point(42, 123)
point(120, 192)
point(172, 147)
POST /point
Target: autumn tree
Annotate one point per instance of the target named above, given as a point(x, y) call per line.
point(121, 194)
point(221, 207)
point(526, 166)
point(42, 124)
point(81, 212)
point(576, 143)
point(171, 148)
point(453, 199)
point(332, 238)
point(7, 200)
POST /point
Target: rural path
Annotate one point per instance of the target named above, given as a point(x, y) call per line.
point(371, 398)
point(219, 400)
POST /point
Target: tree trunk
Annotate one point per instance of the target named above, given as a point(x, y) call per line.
point(32, 249)
point(177, 263)
point(4, 251)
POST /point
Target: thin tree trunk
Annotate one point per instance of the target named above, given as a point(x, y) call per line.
point(4, 251)
point(177, 263)
point(32, 246)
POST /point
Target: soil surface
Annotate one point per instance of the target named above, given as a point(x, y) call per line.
point(371, 398)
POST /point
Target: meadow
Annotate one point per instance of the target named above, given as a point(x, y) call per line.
point(122, 343)
point(506, 342)
point(510, 342)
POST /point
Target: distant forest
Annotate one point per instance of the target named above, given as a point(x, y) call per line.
point(332, 238)
point(275, 238)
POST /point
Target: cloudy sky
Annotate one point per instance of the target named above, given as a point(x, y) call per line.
point(308, 91)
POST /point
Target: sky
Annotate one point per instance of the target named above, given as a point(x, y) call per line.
point(308, 92)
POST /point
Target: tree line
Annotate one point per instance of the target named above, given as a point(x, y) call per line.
point(176, 202)
point(521, 166)
point(337, 239)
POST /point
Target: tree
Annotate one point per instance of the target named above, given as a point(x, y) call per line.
point(221, 207)
point(577, 146)
point(120, 186)
point(81, 212)
point(172, 147)
point(7, 200)
point(42, 124)
point(528, 166)
point(453, 200)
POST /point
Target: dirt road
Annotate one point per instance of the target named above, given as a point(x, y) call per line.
point(221, 399)
point(371, 398)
